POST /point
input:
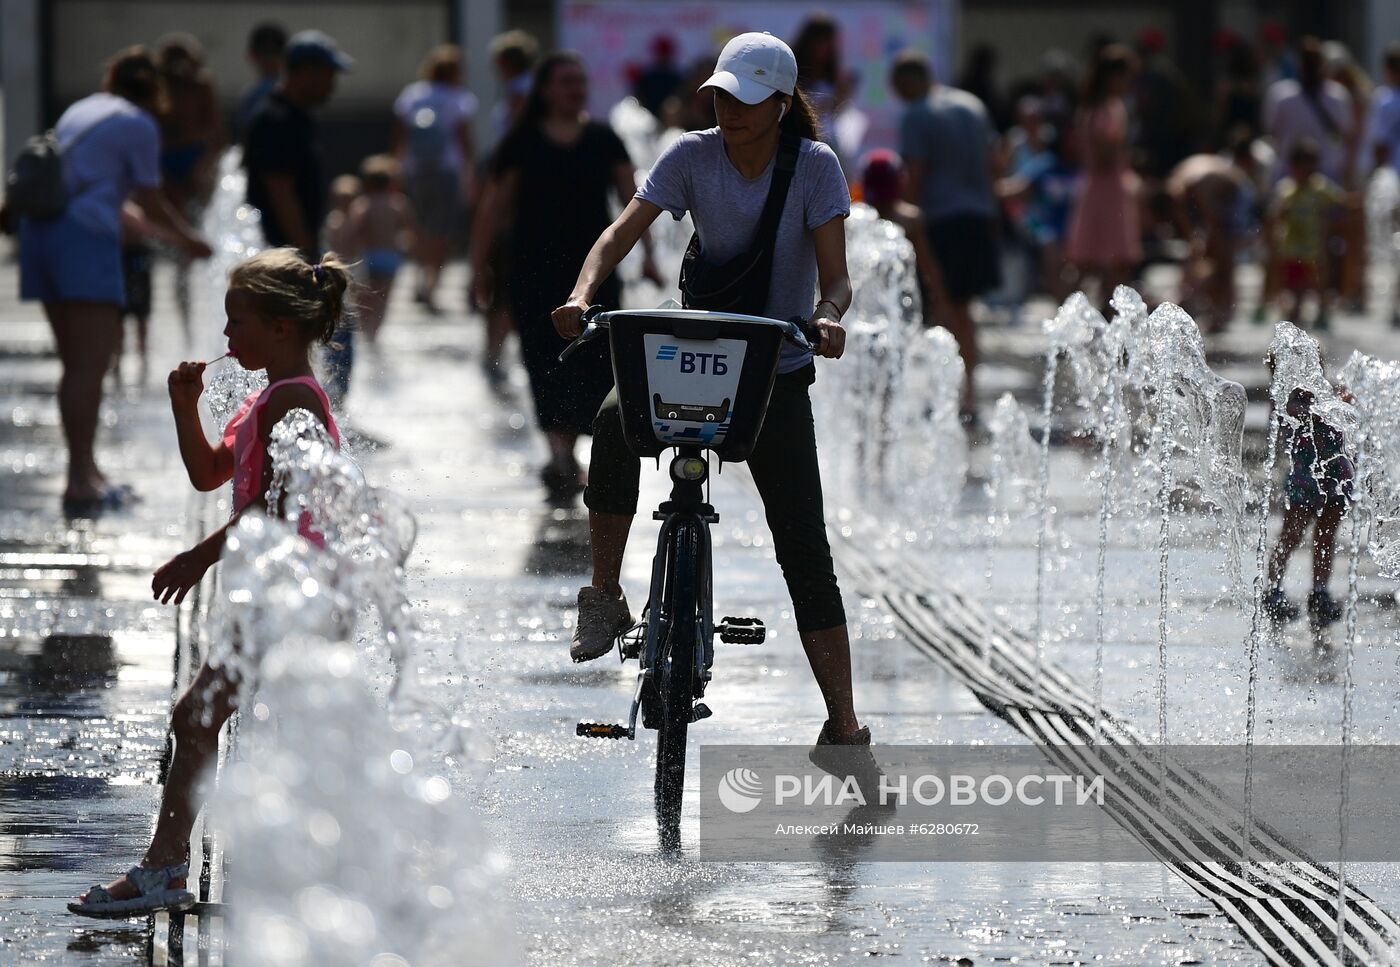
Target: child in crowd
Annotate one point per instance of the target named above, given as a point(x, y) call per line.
point(278, 307)
point(1318, 489)
point(1305, 205)
point(882, 188)
point(336, 232)
point(380, 230)
point(136, 274)
point(1039, 192)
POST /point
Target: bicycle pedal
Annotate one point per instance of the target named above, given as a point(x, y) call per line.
point(700, 711)
point(742, 631)
point(630, 642)
point(602, 730)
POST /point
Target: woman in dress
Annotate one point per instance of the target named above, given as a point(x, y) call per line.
point(550, 180)
point(1104, 236)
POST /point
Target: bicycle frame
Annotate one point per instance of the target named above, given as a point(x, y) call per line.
point(680, 602)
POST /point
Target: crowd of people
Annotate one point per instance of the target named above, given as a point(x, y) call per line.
point(1085, 182)
point(1065, 179)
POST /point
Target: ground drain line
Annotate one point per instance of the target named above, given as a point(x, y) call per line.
point(1293, 866)
point(1234, 907)
point(1285, 899)
point(980, 627)
point(1296, 924)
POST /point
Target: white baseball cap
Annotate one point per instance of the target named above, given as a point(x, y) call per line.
point(753, 67)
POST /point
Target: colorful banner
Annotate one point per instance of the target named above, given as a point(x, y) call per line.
point(615, 38)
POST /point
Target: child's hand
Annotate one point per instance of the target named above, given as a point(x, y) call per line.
point(186, 382)
point(177, 575)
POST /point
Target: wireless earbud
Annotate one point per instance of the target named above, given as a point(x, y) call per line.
point(782, 110)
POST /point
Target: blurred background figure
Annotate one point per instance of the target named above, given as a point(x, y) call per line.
point(882, 188)
point(1312, 106)
point(817, 48)
point(945, 138)
point(380, 233)
point(1036, 196)
point(979, 78)
point(267, 43)
point(286, 172)
point(1305, 206)
point(434, 144)
point(1105, 240)
point(1277, 62)
point(1383, 133)
point(1239, 94)
point(335, 233)
point(1212, 197)
point(1347, 246)
point(691, 108)
point(659, 80)
point(192, 136)
point(73, 263)
point(551, 179)
point(513, 56)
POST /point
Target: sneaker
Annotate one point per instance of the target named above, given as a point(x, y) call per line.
point(601, 618)
point(1279, 609)
point(849, 757)
point(1323, 609)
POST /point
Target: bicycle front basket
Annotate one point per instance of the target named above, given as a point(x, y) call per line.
point(686, 377)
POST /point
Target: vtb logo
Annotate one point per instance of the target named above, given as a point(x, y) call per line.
point(705, 364)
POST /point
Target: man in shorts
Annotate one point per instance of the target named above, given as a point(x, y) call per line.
point(945, 139)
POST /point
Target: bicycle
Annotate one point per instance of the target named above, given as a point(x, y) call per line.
point(698, 383)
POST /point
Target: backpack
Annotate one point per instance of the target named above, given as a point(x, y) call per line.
point(35, 187)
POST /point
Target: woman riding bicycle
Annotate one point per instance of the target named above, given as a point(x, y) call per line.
point(722, 177)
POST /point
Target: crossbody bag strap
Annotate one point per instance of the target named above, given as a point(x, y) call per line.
point(789, 145)
point(1320, 109)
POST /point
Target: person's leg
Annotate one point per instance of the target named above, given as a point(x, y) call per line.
point(374, 302)
point(1325, 543)
point(959, 323)
point(196, 721)
point(86, 335)
point(614, 479)
point(498, 327)
point(561, 451)
point(1295, 522)
point(432, 253)
point(785, 470)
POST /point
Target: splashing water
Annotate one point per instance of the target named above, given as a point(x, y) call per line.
point(234, 232)
point(931, 460)
point(1012, 471)
point(348, 845)
point(1073, 325)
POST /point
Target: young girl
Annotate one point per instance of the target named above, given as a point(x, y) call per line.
point(278, 306)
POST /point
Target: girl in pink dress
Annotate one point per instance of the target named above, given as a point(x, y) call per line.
point(279, 306)
point(1104, 236)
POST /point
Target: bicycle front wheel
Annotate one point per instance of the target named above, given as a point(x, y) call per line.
point(675, 681)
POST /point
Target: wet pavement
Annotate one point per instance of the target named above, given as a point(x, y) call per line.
point(86, 677)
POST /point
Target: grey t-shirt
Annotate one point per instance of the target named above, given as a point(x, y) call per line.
point(695, 175)
point(949, 132)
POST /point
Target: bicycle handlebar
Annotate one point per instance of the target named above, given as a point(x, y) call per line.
point(796, 330)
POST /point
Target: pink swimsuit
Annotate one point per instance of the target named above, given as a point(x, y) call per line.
point(250, 455)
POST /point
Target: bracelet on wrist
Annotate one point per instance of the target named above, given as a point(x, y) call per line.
point(833, 305)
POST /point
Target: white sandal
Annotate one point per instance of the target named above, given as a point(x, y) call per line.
point(154, 892)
